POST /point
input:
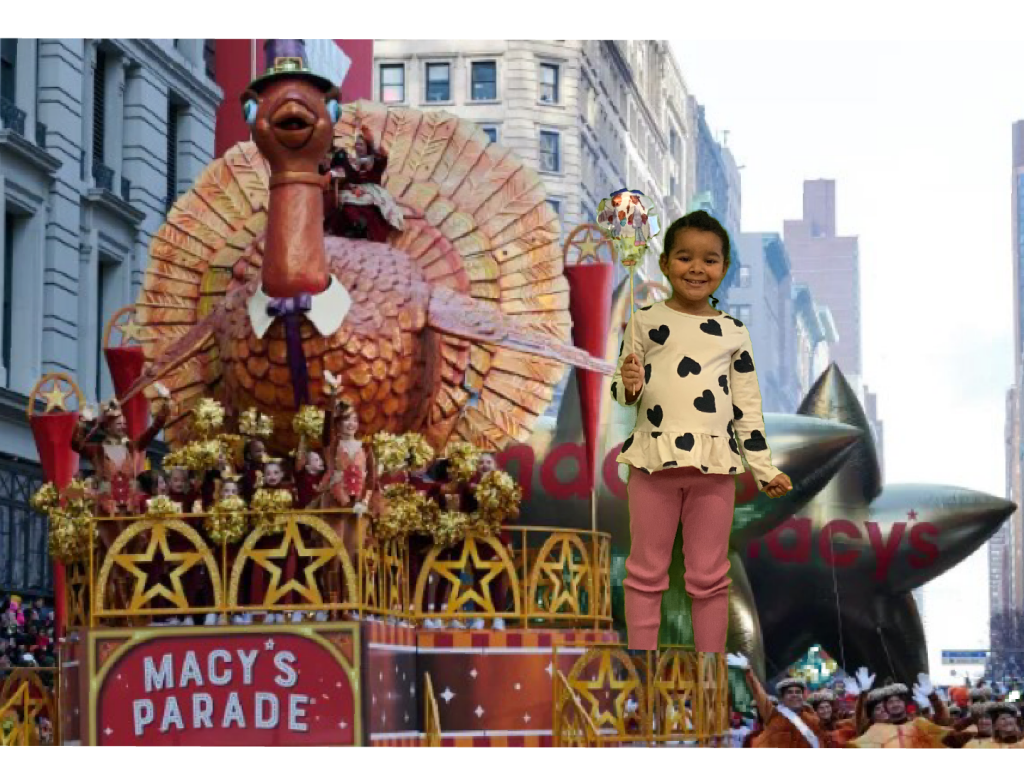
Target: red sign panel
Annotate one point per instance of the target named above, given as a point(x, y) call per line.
point(226, 686)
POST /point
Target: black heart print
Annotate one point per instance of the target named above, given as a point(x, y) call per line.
point(705, 403)
point(670, 464)
point(744, 364)
point(723, 382)
point(687, 366)
point(685, 442)
point(732, 470)
point(645, 470)
point(703, 468)
point(712, 328)
point(755, 442)
point(737, 414)
point(655, 415)
point(644, 309)
point(659, 335)
point(615, 390)
point(655, 435)
point(738, 323)
point(625, 445)
point(622, 345)
point(647, 373)
point(732, 446)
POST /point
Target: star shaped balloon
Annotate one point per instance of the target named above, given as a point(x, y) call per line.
point(839, 573)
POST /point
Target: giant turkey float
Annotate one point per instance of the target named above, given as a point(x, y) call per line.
point(348, 331)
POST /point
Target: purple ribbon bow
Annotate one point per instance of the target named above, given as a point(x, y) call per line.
point(291, 309)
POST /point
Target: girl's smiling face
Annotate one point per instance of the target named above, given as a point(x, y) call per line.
point(694, 266)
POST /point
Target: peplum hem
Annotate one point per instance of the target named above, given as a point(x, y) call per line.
point(652, 451)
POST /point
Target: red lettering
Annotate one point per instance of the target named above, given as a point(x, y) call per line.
point(524, 457)
point(610, 473)
point(800, 553)
point(884, 551)
point(577, 485)
point(927, 551)
point(828, 533)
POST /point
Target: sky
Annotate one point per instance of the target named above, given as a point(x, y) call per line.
point(917, 136)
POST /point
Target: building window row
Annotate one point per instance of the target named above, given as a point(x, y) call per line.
point(483, 82)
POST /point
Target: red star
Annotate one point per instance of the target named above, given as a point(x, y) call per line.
point(912, 515)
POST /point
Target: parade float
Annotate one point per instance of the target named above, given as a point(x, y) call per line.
point(364, 530)
point(347, 330)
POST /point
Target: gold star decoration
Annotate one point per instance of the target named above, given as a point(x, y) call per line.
point(452, 570)
point(130, 331)
point(561, 594)
point(130, 563)
point(56, 398)
point(587, 246)
point(309, 590)
point(673, 686)
point(588, 689)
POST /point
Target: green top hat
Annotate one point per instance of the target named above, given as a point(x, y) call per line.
point(287, 58)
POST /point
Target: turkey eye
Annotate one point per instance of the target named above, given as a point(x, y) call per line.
point(249, 110)
point(334, 110)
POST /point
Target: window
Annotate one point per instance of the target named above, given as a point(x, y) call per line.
point(673, 187)
point(210, 58)
point(744, 278)
point(392, 83)
point(549, 83)
point(557, 205)
point(484, 79)
point(673, 141)
point(173, 111)
point(439, 82)
point(99, 107)
point(491, 131)
point(104, 288)
point(742, 312)
point(8, 61)
point(8, 308)
point(550, 156)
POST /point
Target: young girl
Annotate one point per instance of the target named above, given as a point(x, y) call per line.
point(699, 406)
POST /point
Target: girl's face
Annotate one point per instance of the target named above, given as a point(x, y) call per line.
point(228, 489)
point(314, 463)
point(161, 485)
point(349, 424)
point(361, 146)
point(487, 463)
point(824, 710)
point(179, 481)
point(878, 713)
point(695, 266)
point(273, 474)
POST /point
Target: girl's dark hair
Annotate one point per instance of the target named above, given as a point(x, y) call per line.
point(148, 481)
point(705, 222)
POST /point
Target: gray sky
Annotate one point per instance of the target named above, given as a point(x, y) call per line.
point(917, 137)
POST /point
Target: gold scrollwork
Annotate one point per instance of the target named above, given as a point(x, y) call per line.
point(135, 563)
point(469, 558)
point(321, 557)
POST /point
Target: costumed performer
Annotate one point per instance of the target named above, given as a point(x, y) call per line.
point(787, 724)
point(900, 732)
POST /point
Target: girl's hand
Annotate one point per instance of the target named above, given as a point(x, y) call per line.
point(632, 373)
point(779, 486)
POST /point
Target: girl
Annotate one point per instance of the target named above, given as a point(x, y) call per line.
point(699, 406)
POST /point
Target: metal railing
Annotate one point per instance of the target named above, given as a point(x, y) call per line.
point(324, 562)
point(12, 118)
point(29, 695)
point(675, 696)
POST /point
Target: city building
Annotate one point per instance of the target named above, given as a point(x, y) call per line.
point(1006, 547)
point(97, 138)
point(591, 116)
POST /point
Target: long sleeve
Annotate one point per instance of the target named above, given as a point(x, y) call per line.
point(861, 718)
point(941, 716)
point(149, 435)
point(748, 420)
point(618, 388)
point(764, 707)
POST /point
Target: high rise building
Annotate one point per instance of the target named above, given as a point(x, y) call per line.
point(591, 116)
point(97, 137)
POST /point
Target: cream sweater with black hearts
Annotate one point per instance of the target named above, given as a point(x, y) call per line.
point(699, 386)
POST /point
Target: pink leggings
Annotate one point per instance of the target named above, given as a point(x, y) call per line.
point(657, 502)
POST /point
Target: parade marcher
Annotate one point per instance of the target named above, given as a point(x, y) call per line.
point(1006, 732)
point(786, 724)
point(845, 701)
point(975, 722)
point(900, 731)
point(838, 730)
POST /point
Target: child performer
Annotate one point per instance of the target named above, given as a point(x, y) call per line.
point(693, 380)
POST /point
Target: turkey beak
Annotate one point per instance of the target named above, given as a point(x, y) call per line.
point(293, 124)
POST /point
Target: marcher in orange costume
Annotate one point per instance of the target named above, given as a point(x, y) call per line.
point(1006, 732)
point(900, 732)
point(838, 730)
point(788, 724)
